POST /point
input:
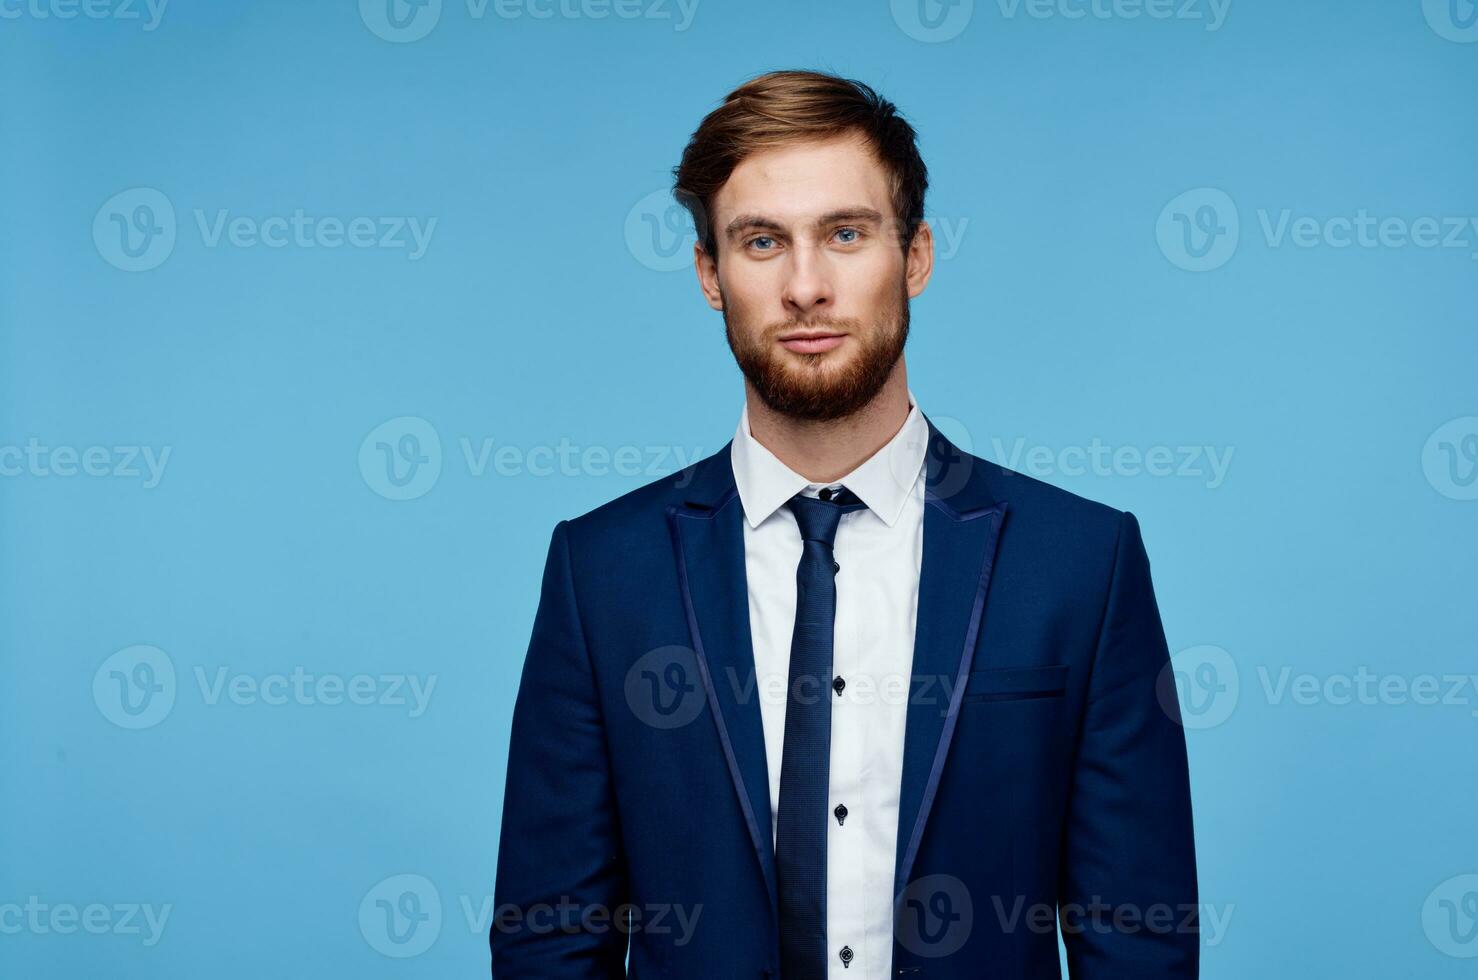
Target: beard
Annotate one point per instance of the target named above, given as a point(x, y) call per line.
point(806, 386)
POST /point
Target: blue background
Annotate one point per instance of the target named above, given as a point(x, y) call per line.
point(554, 305)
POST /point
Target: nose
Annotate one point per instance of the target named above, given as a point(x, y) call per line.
point(808, 285)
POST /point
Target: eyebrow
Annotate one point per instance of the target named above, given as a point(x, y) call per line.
point(761, 222)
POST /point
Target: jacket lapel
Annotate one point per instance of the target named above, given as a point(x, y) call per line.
point(962, 524)
point(708, 539)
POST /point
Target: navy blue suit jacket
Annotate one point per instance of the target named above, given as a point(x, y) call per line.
point(1044, 763)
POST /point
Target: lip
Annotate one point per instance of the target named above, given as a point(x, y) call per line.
point(816, 342)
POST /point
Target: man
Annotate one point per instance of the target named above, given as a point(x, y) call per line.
point(840, 700)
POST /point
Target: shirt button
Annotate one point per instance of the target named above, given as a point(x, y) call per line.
point(846, 955)
point(838, 683)
point(835, 566)
point(826, 493)
point(841, 813)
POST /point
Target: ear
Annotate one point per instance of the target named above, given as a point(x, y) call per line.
point(707, 270)
point(919, 260)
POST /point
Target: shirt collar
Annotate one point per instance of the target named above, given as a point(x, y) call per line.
point(883, 481)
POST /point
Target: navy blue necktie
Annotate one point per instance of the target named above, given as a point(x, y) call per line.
point(801, 821)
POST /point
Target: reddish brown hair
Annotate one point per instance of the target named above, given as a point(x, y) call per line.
point(784, 107)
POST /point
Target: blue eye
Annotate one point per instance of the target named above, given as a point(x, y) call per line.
point(762, 238)
point(849, 231)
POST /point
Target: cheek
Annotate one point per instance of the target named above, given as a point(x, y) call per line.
point(884, 291)
point(748, 294)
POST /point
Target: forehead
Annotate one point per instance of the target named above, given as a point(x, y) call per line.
point(801, 180)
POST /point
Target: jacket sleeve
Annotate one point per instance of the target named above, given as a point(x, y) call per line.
point(561, 878)
point(1128, 905)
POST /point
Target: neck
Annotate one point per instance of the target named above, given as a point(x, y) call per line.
point(823, 452)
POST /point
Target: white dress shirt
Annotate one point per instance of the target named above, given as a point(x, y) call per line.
point(880, 550)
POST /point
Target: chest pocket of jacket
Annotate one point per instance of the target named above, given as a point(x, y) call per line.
point(1016, 683)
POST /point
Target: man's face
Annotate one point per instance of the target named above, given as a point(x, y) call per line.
point(812, 279)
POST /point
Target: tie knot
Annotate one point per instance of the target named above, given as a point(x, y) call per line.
point(818, 519)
